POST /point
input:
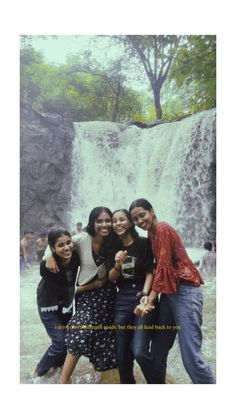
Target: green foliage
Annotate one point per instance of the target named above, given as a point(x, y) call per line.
point(194, 71)
point(156, 54)
point(30, 60)
point(76, 91)
point(180, 73)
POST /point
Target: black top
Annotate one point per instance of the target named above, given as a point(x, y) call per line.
point(58, 289)
point(138, 262)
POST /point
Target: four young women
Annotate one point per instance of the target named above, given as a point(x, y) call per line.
point(116, 287)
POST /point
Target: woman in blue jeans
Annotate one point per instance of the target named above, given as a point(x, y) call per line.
point(55, 295)
point(179, 282)
point(132, 271)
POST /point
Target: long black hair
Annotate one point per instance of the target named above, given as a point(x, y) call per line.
point(94, 214)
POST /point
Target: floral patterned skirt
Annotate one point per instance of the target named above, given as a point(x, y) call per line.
point(91, 330)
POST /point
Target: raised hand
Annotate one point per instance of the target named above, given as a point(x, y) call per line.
point(120, 257)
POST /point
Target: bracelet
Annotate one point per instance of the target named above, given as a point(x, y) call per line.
point(117, 269)
point(141, 294)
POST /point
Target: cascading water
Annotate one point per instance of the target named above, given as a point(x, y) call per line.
point(172, 165)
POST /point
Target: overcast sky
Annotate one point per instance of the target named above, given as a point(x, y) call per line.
point(56, 49)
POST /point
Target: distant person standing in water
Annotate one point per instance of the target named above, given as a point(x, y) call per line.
point(79, 227)
point(25, 244)
point(207, 266)
point(179, 282)
point(40, 246)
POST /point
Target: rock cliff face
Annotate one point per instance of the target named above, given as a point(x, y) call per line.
point(45, 169)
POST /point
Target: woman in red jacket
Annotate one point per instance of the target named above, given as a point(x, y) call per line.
point(179, 282)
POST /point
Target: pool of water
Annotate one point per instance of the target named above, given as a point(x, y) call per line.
point(34, 340)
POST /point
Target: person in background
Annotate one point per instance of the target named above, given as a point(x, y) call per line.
point(179, 282)
point(90, 331)
point(25, 245)
point(55, 294)
point(79, 227)
point(40, 245)
point(132, 272)
point(207, 266)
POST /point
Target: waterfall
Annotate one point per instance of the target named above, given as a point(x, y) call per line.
point(172, 165)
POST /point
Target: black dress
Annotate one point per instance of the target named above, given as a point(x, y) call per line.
point(91, 329)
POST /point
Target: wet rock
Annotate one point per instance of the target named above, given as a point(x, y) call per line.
point(45, 169)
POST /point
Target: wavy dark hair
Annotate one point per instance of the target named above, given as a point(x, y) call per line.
point(132, 230)
point(54, 235)
point(94, 214)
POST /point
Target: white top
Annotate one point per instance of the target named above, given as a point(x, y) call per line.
point(88, 268)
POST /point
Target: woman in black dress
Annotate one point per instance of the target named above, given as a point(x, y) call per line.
point(90, 331)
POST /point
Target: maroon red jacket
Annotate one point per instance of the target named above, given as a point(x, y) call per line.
point(173, 265)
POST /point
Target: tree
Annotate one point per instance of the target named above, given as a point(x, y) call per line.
point(79, 90)
point(194, 70)
point(110, 85)
point(156, 53)
point(30, 61)
point(180, 71)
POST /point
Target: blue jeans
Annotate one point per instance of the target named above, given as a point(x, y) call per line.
point(186, 307)
point(56, 353)
point(22, 263)
point(133, 338)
